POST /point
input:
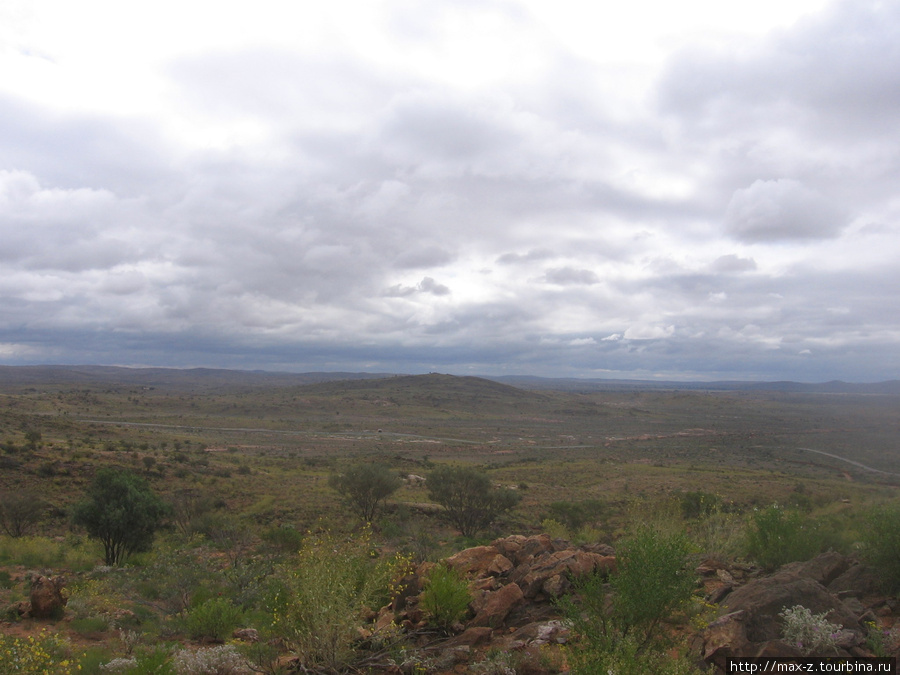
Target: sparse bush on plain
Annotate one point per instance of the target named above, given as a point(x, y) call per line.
point(446, 597)
point(365, 487)
point(470, 501)
point(576, 515)
point(121, 511)
point(20, 511)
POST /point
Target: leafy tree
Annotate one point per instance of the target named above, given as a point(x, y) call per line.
point(121, 511)
point(19, 512)
point(364, 487)
point(471, 502)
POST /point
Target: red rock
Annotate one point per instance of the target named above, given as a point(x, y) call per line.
point(497, 606)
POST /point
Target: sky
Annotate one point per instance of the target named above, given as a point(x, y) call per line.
point(700, 190)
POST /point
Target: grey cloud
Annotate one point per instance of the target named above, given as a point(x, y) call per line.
point(781, 209)
point(426, 256)
point(565, 276)
point(427, 285)
point(732, 263)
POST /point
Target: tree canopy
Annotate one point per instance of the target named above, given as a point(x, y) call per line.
point(471, 502)
point(121, 511)
point(364, 487)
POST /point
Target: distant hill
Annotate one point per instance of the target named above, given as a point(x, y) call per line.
point(890, 387)
point(205, 378)
point(189, 378)
point(435, 391)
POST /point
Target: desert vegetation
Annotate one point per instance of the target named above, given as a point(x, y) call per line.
point(254, 526)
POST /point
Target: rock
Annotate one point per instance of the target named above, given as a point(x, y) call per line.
point(777, 649)
point(763, 599)
point(555, 586)
point(408, 586)
point(480, 561)
point(824, 568)
point(497, 605)
point(724, 638)
point(246, 634)
point(471, 637)
point(572, 563)
point(47, 598)
point(858, 580)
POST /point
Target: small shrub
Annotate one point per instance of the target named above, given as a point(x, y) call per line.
point(89, 625)
point(881, 544)
point(698, 503)
point(618, 624)
point(320, 596)
point(221, 660)
point(213, 620)
point(810, 633)
point(445, 598)
point(778, 536)
point(652, 582)
point(46, 653)
point(498, 662)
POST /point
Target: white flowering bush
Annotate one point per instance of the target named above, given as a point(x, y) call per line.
point(810, 633)
point(221, 660)
point(120, 665)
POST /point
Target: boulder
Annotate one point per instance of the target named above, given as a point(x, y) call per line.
point(761, 600)
point(823, 569)
point(725, 638)
point(497, 605)
point(48, 600)
point(480, 561)
point(858, 580)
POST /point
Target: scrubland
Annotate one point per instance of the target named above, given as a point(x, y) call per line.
point(245, 469)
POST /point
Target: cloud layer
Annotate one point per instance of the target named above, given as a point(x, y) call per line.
point(458, 187)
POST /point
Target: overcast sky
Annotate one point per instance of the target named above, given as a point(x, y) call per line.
point(692, 190)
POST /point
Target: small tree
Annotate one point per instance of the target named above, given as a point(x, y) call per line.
point(364, 487)
point(471, 502)
point(19, 512)
point(121, 511)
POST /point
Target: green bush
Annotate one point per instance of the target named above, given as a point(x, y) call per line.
point(777, 536)
point(470, 501)
point(320, 596)
point(619, 624)
point(576, 515)
point(881, 543)
point(121, 511)
point(364, 487)
point(445, 598)
point(213, 620)
point(699, 503)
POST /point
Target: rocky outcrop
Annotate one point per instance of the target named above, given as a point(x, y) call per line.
point(749, 623)
point(514, 582)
